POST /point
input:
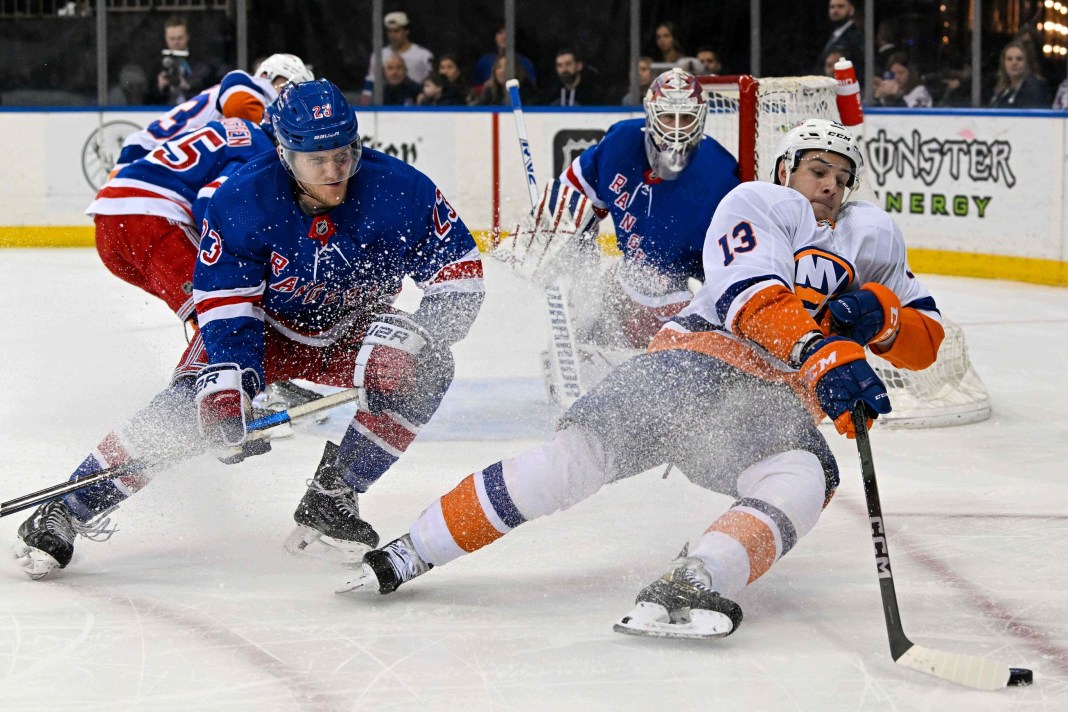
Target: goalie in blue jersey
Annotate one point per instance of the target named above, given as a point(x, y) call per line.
point(660, 179)
point(302, 254)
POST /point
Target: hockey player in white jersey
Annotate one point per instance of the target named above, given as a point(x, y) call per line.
point(797, 285)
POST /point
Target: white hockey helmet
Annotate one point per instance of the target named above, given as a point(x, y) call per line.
point(289, 66)
point(819, 135)
point(675, 111)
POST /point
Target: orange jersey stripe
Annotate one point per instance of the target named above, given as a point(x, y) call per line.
point(753, 534)
point(468, 524)
point(741, 356)
point(917, 342)
point(775, 318)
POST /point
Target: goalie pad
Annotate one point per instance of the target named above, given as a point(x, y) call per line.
point(545, 240)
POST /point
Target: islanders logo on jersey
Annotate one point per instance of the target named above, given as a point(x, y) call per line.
point(819, 275)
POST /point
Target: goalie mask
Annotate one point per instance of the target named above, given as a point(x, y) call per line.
point(819, 135)
point(288, 66)
point(318, 137)
point(675, 111)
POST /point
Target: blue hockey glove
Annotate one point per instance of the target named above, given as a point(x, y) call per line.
point(224, 408)
point(870, 315)
point(836, 371)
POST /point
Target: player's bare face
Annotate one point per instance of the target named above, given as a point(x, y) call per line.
point(323, 176)
point(822, 177)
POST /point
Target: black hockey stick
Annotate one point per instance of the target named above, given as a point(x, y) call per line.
point(980, 673)
point(257, 431)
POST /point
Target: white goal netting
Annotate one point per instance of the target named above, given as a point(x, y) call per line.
point(950, 392)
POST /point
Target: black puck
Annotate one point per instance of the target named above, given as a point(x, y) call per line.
point(1018, 677)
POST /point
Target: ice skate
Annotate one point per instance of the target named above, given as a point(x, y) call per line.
point(328, 518)
point(388, 567)
point(681, 604)
point(46, 540)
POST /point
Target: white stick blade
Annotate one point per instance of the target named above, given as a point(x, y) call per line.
point(967, 670)
point(511, 83)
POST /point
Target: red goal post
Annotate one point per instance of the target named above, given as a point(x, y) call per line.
point(748, 116)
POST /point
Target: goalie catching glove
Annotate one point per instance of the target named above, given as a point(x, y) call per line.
point(386, 363)
point(542, 244)
point(224, 409)
point(837, 372)
point(870, 316)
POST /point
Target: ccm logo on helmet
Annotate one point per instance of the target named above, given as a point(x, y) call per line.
point(322, 136)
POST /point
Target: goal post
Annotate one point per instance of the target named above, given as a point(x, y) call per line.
point(748, 116)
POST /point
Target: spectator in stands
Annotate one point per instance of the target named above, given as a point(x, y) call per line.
point(1019, 84)
point(433, 91)
point(709, 59)
point(577, 84)
point(483, 70)
point(399, 89)
point(670, 52)
point(901, 85)
point(954, 87)
point(1060, 100)
point(418, 60)
point(885, 46)
point(494, 92)
point(455, 89)
point(846, 35)
point(179, 78)
point(132, 87)
point(645, 78)
point(833, 55)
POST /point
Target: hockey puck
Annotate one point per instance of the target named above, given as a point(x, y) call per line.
point(1019, 677)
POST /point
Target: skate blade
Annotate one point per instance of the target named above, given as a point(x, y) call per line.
point(36, 563)
point(305, 541)
point(703, 625)
point(366, 582)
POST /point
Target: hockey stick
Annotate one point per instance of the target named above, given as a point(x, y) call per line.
point(257, 431)
point(563, 357)
point(980, 673)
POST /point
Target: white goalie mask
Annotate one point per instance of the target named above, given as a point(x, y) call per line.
point(289, 66)
point(675, 111)
point(819, 135)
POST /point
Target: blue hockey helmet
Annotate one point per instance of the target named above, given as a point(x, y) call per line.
point(317, 132)
point(267, 122)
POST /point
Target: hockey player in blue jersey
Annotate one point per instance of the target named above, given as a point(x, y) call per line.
point(302, 254)
point(147, 216)
point(660, 179)
point(239, 95)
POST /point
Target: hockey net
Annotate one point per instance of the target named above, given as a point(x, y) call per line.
point(749, 116)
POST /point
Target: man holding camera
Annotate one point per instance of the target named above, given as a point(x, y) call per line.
point(177, 79)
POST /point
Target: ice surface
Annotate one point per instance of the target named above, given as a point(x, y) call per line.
point(193, 605)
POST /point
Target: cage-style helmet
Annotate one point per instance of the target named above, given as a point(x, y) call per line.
point(675, 111)
point(819, 135)
point(317, 132)
point(289, 66)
